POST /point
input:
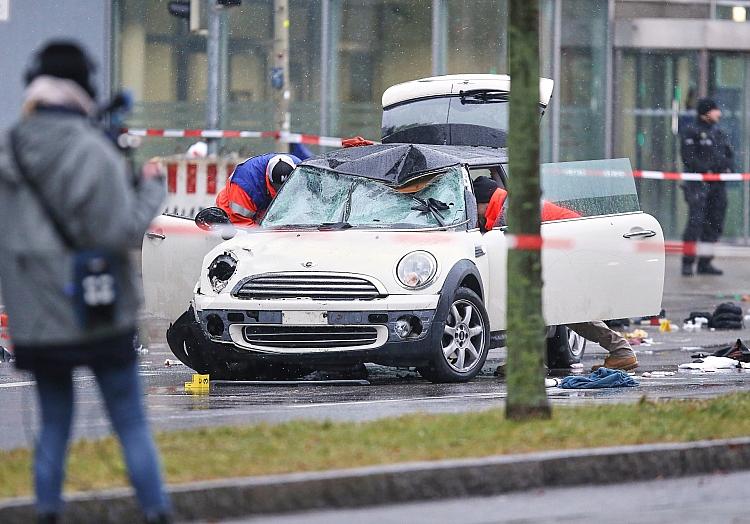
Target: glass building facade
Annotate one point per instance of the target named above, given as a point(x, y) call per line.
point(373, 45)
point(620, 91)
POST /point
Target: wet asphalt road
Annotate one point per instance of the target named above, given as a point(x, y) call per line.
point(394, 391)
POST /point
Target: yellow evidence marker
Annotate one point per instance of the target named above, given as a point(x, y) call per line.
point(199, 385)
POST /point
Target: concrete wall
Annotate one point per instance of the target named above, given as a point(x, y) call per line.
point(31, 23)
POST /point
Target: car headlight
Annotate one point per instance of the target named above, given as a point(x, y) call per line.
point(221, 270)
point(417, 269)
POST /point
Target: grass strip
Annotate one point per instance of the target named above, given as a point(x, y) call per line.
point(264, 449)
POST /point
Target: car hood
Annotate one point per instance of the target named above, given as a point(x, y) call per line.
point(371, 253)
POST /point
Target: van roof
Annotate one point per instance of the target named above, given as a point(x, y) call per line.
point(453, 84)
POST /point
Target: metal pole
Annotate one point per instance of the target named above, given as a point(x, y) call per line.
point(439, 36)
point(609, 89)
point(215, 73)
point(556, 69)
point(334, 38)
point(223, 67)
point(283, 94)
point(703, 72)
point(746, 212)
point(325, 53)
point(746, 163)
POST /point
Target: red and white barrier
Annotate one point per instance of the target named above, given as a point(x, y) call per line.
point(4, 333)
point(192, 185)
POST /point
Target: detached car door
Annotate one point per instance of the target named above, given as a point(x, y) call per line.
point(609, 263)
point(172, 255)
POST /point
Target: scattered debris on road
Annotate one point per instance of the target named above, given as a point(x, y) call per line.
point(658, 374)
point(737, 351)
point(601, 378)
point(711, 364)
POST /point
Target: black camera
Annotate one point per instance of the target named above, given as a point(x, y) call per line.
point(112, 118)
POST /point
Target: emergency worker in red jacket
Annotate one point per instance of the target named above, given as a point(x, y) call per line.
point(252, 186)
point(490, 209)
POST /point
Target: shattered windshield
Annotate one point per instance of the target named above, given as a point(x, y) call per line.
point(315, 197)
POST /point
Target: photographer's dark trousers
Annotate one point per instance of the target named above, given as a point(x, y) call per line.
point(707, 208)
point(120, 386)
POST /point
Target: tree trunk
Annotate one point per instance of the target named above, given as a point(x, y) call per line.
point(525, 373)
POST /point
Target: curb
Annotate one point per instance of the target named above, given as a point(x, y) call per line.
point(415, 481)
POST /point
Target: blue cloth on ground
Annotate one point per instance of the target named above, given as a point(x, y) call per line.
point(601, 378)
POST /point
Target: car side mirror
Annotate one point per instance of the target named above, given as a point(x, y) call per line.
point(215, 219)
point(208, 218)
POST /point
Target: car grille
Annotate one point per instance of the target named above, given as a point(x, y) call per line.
point(310, 337)
point(307, 285)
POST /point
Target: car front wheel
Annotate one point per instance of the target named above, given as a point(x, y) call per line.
point(465, 341)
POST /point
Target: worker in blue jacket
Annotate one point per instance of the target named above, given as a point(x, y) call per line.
point(252, 186)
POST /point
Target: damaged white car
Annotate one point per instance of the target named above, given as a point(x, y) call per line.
point(373, 254)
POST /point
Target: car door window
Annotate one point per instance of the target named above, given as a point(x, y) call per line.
point(496, 173)
point(592, 187)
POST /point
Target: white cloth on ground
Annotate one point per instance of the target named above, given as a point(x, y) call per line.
point(711, 363)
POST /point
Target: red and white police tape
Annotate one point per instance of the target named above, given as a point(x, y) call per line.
point(692, 177)
point(330, 141)
point(282, 136)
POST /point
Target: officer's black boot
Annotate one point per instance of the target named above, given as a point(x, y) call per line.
point(705, 267)
point(687, 267)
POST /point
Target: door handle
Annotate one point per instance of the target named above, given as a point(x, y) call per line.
point(643, 233)
point(153, 234)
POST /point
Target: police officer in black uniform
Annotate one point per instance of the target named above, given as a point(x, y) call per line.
point(705, 149)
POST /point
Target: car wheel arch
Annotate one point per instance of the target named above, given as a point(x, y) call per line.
point(463, 272)
point(472, 282)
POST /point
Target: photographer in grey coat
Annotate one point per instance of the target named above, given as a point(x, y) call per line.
point(71, 212)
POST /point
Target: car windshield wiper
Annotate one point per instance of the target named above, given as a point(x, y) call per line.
point(291, 226)
point(432, 206)
point(334, 226)
point(483, 96)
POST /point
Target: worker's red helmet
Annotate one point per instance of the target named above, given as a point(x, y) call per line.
point(278, 170)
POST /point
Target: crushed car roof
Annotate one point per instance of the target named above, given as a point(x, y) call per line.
point(397, 164)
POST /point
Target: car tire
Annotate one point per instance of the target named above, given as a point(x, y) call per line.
point(456, 357)
point(564, 348)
